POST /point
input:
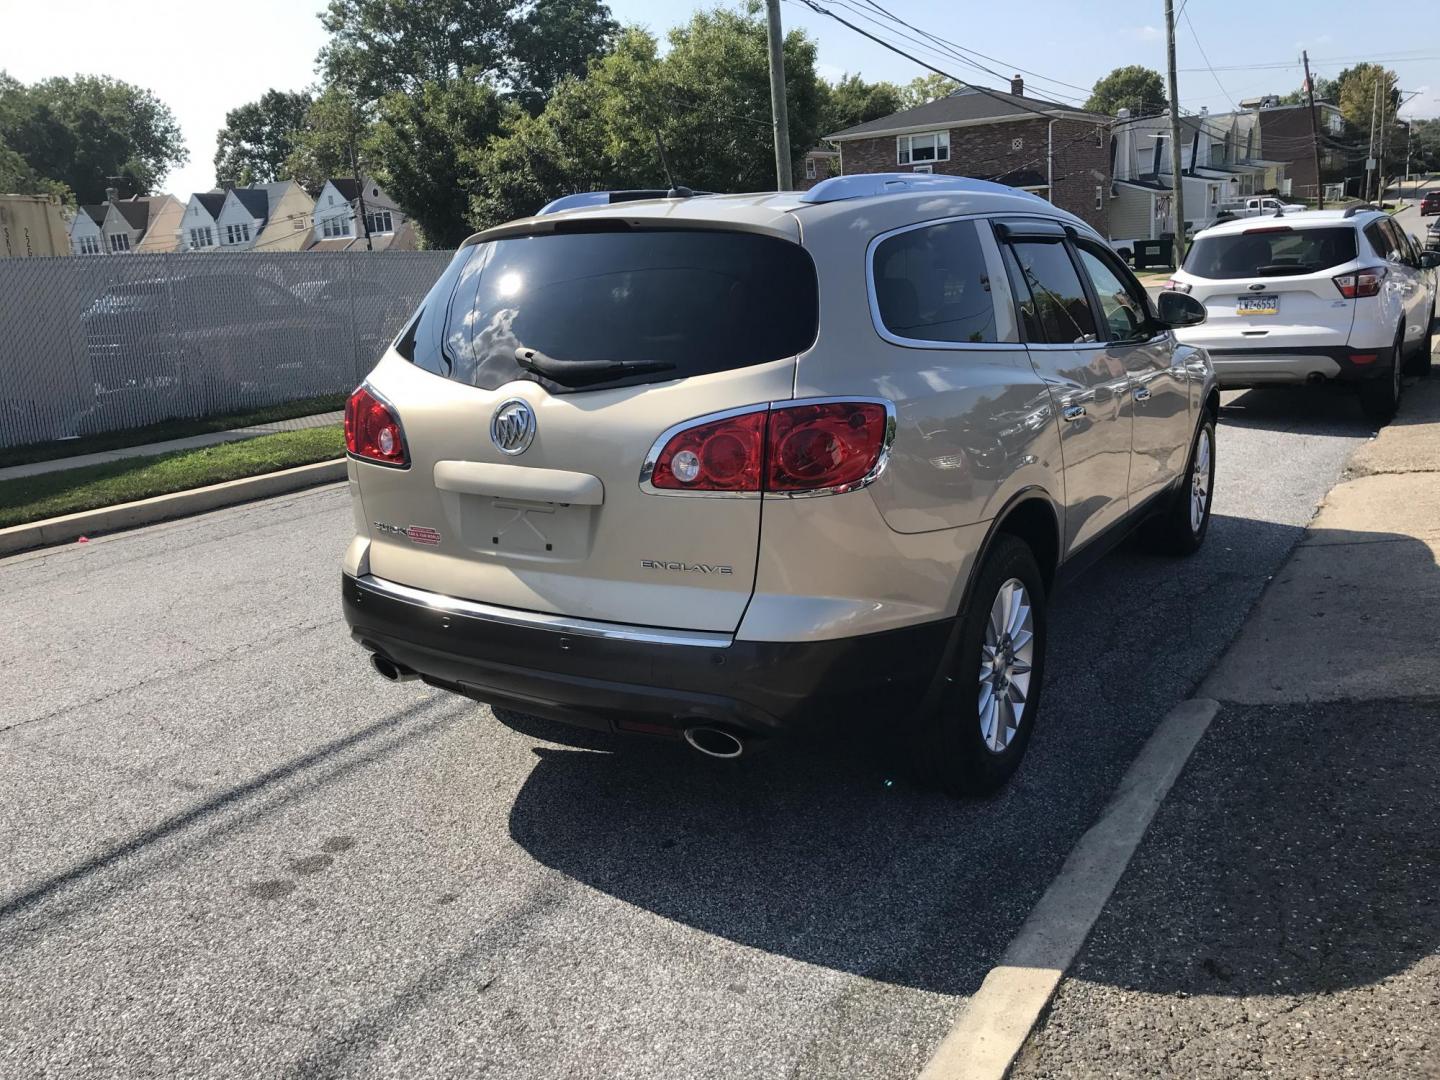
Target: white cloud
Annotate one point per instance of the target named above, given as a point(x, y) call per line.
point(1146, 33)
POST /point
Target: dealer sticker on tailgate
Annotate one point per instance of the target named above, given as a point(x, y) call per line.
point(1260, 304)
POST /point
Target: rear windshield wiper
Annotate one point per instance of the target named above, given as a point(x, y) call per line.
point(1285, 270)
point(584, 372)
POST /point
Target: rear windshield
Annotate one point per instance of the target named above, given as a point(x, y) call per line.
point(620, 306)
point(1270, 252)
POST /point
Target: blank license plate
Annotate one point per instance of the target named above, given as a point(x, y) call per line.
point(1261, 304)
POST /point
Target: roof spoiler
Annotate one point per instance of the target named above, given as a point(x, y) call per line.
point(1359, 208)
point(605, 198)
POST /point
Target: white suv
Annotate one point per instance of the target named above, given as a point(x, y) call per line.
point(717, 468)
point(1294, 298)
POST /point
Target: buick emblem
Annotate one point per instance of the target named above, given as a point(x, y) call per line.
point(512, 428)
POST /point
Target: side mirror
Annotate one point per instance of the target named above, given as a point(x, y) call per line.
point(1177, 309)
point(1429, 260)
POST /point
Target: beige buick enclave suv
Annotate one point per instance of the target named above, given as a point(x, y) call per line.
point(722, 467)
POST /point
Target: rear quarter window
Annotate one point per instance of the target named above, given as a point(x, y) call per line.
point(1270, 252)
point(681, 302)
point(932, 284)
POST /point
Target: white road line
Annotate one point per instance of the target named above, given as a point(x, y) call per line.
point(988, 1035)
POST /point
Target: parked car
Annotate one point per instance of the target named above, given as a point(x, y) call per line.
point(1430, 204)
point(1432, 236)
point(1330, 294)
point(722, 468)
point(1257, 205)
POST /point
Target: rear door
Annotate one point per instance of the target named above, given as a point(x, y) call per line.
point(1272, 286)
point(1089, 387)
point(524, 489)
point(1159, 391)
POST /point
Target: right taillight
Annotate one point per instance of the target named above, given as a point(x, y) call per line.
point(1178, 286)
point(1360, 282)
point(805, 448)
point(373, 431)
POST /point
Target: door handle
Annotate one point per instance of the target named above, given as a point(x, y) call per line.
point(1142, 393)
point(1073, 412)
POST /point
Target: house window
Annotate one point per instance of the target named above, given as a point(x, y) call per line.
point(923, 168)
point(202, 238)
point(237, 234)
point(89, 245)
point(298, 222)
point(1100, 138)
point(329, 200)
point(809, 168)
point(334, 227)
point(119, 241)
point(378, 221)
point(1099, 197)
point(931, 146)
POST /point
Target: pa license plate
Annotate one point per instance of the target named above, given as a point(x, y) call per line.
point(1261, 304)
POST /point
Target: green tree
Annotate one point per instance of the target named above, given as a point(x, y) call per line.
point(1325, 90)
point(1134, 87)
point(708, 98)
point(852, 101)
point(79, 132)
point(259, 137)
point(924, 89)
point(549, 40)
point(1357, 96)
point(419, 148)
point(334, 140)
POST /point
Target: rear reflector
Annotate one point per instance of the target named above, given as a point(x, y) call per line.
point(805, 448)
point(1364, 357)
point(372, 430)
point(1360, 283)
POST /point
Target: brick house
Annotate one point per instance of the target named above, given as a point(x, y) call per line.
point(1062, 154)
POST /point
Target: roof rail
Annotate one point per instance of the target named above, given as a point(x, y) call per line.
point(868, 185)
point(605, 198)
point(1360, 208)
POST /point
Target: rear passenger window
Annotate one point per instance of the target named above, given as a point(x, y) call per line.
point(1053, 305)
point(1122, 301)
point(932, 284)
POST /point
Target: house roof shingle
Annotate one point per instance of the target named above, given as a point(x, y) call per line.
point(212, 201)
point(963, 106)
point(347, 186)
point(255, 201)
point(97, 212)
point(136, 212)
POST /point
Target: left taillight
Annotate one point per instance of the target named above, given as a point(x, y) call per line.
point(373, 431)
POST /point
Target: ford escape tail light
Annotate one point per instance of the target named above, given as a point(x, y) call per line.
point(1360, 283)
point(800, 448)
point(372, 430)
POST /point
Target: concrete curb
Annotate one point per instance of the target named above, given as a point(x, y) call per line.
point(130, 515)
point(998, 1019)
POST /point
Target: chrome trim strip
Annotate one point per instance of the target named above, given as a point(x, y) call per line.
point(536, 620)
point(647, 469)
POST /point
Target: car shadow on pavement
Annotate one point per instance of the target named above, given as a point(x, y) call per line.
point(1326, 409)
point(822, 853)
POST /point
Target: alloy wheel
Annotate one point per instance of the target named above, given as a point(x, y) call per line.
point(1200, 482)
point(1006, 661)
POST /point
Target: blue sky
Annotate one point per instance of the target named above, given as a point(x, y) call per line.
point(201, 75)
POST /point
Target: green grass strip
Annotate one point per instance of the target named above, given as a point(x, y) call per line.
point(167, 429)
point(70, 491)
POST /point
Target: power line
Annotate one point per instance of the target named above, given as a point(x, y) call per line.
point(1196, 36)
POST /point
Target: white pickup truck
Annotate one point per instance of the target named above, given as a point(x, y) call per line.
point(1257, 205)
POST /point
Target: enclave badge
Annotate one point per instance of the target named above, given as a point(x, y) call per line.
point(512, 427)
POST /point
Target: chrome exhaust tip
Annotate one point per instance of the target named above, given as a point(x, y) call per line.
point(715, 742)
point(390, 670)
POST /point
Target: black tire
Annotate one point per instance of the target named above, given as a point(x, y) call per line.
point(1380, 396)
point(954, 753)
point(1420, 362)
point(1174, 531)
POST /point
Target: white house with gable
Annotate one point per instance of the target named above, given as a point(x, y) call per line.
point(199, 228)
point(338, 225)
point(242, 216)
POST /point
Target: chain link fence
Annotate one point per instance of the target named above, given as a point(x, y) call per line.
point(91, 345)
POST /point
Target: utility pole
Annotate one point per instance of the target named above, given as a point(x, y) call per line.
point(363, 223)
point(1370, 157)
point(1176, 159)
point(1380, 156)
point(783, 179)
point(1314, 132)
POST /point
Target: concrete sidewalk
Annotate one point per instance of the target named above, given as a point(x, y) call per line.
point(1282, 916)
point(193, 442)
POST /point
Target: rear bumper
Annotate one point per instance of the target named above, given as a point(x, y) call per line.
point(639, 679)
point(1236, 368)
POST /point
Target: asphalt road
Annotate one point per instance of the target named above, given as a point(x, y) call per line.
point(232, 850)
